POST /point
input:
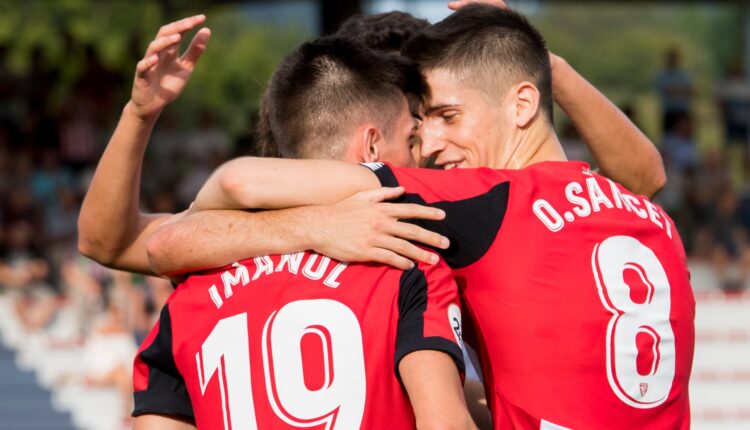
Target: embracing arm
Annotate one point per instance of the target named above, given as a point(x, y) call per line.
point(621, 150)
point(360, 228)
point(274, 183)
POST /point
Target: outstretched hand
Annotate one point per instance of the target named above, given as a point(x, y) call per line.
point(365, 228)
point(162, 74)
point(456, 5)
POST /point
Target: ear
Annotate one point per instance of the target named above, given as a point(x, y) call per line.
point(527, 104)
point(372, 140)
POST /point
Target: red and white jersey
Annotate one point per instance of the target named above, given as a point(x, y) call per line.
point(295, 341)
point(576, 292)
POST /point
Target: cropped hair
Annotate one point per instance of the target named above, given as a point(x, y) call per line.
point(326, 88)
point(386, 32)
point(489, 48)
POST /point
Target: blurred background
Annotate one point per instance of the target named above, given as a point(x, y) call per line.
point(69, 328)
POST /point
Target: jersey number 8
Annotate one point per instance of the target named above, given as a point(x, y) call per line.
point(634, 288)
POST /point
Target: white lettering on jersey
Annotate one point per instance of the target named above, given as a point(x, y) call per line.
point(373, 166)
point(315, 268)
point(230, 280)
point(589, 198)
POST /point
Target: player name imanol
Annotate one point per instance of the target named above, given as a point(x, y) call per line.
point(316, 267)
point(588, 198)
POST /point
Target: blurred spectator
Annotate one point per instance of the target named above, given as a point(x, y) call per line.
point(48, 177)
point(679, 149)
point(731, 254)
point(79, 139)
point(23, 273)
point(734, 100)
point(675, 89)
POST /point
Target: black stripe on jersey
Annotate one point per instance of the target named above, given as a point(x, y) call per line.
point(470, 224)
point(166, 393)
point(412, 304)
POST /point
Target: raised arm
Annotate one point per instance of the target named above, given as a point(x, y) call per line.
point(111, 228)
point(621, 150)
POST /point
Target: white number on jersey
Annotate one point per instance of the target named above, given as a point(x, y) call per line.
point(341, 399)
point(634, 288)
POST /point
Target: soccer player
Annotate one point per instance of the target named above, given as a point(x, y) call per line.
point(577, 290)
point(299, 339)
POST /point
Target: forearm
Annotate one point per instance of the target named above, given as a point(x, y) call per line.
point(272, 183)
point(215, 238)
point(110, 220)
point(620, 149)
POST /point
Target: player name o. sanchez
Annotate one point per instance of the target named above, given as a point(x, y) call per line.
point(589, 198)
point(313, 269)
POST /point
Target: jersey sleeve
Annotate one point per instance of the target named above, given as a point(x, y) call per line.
point(157, 383)
point(429, 314)
point(474, 201)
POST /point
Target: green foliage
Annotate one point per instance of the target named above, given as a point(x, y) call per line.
point(228, 79)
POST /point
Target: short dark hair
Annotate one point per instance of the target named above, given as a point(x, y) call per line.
point(265, 145)
point(327, 87)
point(490, 47)
point(387, 31)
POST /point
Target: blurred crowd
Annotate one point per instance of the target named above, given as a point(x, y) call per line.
point(48, 153)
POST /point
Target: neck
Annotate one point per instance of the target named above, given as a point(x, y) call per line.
point(535, 144)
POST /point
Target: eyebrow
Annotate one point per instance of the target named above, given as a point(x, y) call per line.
point(433, 109)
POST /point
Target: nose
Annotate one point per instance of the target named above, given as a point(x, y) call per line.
point(432, 141)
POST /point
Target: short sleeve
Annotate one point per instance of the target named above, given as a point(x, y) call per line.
point(429, 314)
point(159, 388)
point(474, 200)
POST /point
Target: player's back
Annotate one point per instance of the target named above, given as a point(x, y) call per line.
point(299, 340)
point(578, 292)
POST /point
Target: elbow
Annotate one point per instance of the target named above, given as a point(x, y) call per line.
point(657, 179)
point(156, 247)
point(93, 247)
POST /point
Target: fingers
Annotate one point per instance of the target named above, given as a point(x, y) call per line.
point(181, 26)
point(406, 249)
point(391, 259)
point(161, 43)
point(412, 211)
point(152, 53)
point(415, 233)
point(197, 46)
point(144, 65)
point(379, 194)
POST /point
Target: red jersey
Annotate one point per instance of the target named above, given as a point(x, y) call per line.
point(293, 341)
point(577, 294)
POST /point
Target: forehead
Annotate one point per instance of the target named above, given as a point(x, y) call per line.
point(448, 88)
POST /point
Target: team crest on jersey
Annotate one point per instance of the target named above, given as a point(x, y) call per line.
point(644, 388)
point(373, 166)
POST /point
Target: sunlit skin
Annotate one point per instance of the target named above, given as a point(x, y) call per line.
point(464, 127)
